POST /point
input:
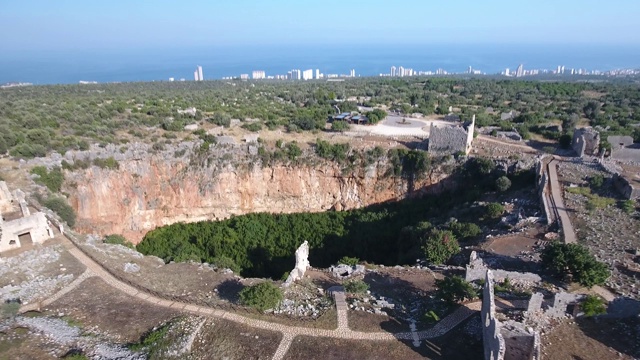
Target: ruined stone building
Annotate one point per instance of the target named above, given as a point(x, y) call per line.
point(505, 340)
point(451, 139)
point(586, 141)
point(18, 226)
point(623, 148)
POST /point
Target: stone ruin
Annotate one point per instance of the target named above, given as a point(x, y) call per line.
point(302, 263)
point(508, 340)
point(22, 227)
point(343, 271)
point(555, 308)
point(448, 139)
point(477, 270)
point(586, 142)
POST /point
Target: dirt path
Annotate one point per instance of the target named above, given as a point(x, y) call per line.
point(289, 332)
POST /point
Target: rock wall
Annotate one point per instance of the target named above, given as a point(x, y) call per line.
point(151, 191)
point(494, 345)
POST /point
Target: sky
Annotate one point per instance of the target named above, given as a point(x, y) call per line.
point(31, 25)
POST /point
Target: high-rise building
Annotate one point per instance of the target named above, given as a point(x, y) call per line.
point(296, 74)
point(307, 74)
point(352, 73)
point(244, 76)
point(520, 71)
point(197, 74)
point(317, 73)
point(171, 79)
point(470, 70)
point(258, 74)
point(506, 72)
point(393, 71)
point(400, 71)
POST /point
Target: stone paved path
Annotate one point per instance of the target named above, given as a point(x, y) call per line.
point(558, 204)
point(289, 332)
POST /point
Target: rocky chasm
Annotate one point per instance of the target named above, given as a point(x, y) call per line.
point(147, 193)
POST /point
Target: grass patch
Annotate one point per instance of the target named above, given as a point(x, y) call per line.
point(593, 201)
point(151, 341)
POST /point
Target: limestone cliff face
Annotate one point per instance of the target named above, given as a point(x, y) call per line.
point(146, 193)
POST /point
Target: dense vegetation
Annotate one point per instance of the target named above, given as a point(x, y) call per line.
point(261, 296)
point(394, 233)
point(574, 262)
point(37, 119)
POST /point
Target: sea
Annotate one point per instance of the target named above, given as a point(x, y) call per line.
point(160, 64)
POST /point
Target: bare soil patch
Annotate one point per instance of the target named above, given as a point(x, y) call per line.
point(589, 339)
point(363, 321)
point(511, 245)
point(101, 309)
point(220, 339)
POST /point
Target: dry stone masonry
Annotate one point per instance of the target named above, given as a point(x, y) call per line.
point(447, 139)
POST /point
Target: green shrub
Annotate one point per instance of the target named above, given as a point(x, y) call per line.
point(108, 163)
point(225, 262)
point(356, 286)
point(439, 246)
point(593, 305)
point(60, 207)
point(28, 151)
point(254, 126)
point(293, 150)
point(575, 262)
point(494, 210)
point(430, 317)
point(340, 126)
point(351, 261)
point(503, 183)
point(150, 339)
point(115, 239)
point(51, 179)
point(628, 206)
point(465, 230)
point(262, 296)
point(596, 181)
point(453, 289)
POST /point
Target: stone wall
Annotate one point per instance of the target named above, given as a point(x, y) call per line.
point(477, 269)
point(6, 200)
point(494, 345)
point(447, 139)
point(35, 224)
point(586, 141)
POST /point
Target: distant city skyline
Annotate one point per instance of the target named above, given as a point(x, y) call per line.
point(73, 24)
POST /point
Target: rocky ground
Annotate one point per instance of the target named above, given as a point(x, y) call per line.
point(612, 235)
point(31, 275)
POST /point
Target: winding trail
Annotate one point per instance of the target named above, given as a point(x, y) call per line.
point(289, 332)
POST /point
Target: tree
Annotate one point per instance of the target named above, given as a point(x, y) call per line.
point(439, 246)
point(376, 115)
point(503, 183)
point(340, 126)
point(573, 261)
point(262, 296)
point(494, 210)
point(454, 289)
point(593, 305)
point(464, 230)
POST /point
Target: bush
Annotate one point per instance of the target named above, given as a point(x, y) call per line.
point(340, 126)
point(503, 183)
point(108, 163)
point(351, 261)
point(593, 305)
point(439, 246)
point(565, 141)
point(254, 126)
point(51, 179)
point(454, 289)
point(28, 151)
point(262, 296)
point(628, 206)
point(494, 210)
point(356, 286)
point(431, 317)
point(596, 181)
point(224, 262)
point(575, 262)
point(64, 210)
point(115, 239)
point(465, 230)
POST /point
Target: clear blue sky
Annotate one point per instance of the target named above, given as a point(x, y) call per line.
point(93, 24)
